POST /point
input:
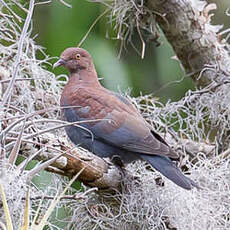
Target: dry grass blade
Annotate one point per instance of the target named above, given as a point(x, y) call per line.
point(26, 212)
point(22, 165)
point(14, 153)
point(55, 201)
point(5, 208)
point(2, 226)
point(36, 214)
point(41, 167)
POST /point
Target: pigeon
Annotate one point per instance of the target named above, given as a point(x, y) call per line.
point(109, 125)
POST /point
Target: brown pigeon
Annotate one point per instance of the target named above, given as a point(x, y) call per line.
point(110, 125)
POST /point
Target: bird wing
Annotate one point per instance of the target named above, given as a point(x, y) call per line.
point(119, 124)
point(131, 133)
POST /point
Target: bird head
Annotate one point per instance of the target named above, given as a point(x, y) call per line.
point(74, 59)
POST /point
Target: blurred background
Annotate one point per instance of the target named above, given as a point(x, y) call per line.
point(58, 27)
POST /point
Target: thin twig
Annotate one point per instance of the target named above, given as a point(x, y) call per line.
point(65, 3)
point(142, 40)
point(91, 27)
point(76, 196)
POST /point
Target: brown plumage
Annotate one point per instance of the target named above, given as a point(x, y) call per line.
point(112, 125)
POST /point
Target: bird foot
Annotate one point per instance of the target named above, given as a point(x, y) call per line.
point(117, 161)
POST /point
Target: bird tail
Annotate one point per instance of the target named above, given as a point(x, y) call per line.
point(165, 166)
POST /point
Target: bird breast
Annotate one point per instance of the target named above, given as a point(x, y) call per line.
point(86, 103)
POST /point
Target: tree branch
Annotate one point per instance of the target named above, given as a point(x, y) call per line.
point(98, 172)
point(195, 42)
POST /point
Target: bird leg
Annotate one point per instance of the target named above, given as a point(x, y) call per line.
point(116, 159)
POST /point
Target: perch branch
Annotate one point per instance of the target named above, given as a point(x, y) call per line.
point(98, 172)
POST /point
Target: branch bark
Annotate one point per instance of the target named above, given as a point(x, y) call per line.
point(98, 172)
point(194, 40)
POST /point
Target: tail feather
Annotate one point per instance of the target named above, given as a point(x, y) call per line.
point(165, 166)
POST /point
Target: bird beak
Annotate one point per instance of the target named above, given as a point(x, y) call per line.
point(59, 62)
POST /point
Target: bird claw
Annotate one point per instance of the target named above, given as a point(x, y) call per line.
point(116, 159)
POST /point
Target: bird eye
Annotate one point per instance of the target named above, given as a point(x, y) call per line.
point(78, 56)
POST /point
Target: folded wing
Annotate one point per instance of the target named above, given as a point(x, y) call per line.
point(120, 124)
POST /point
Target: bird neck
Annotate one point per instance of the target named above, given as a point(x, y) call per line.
point(85, 76)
